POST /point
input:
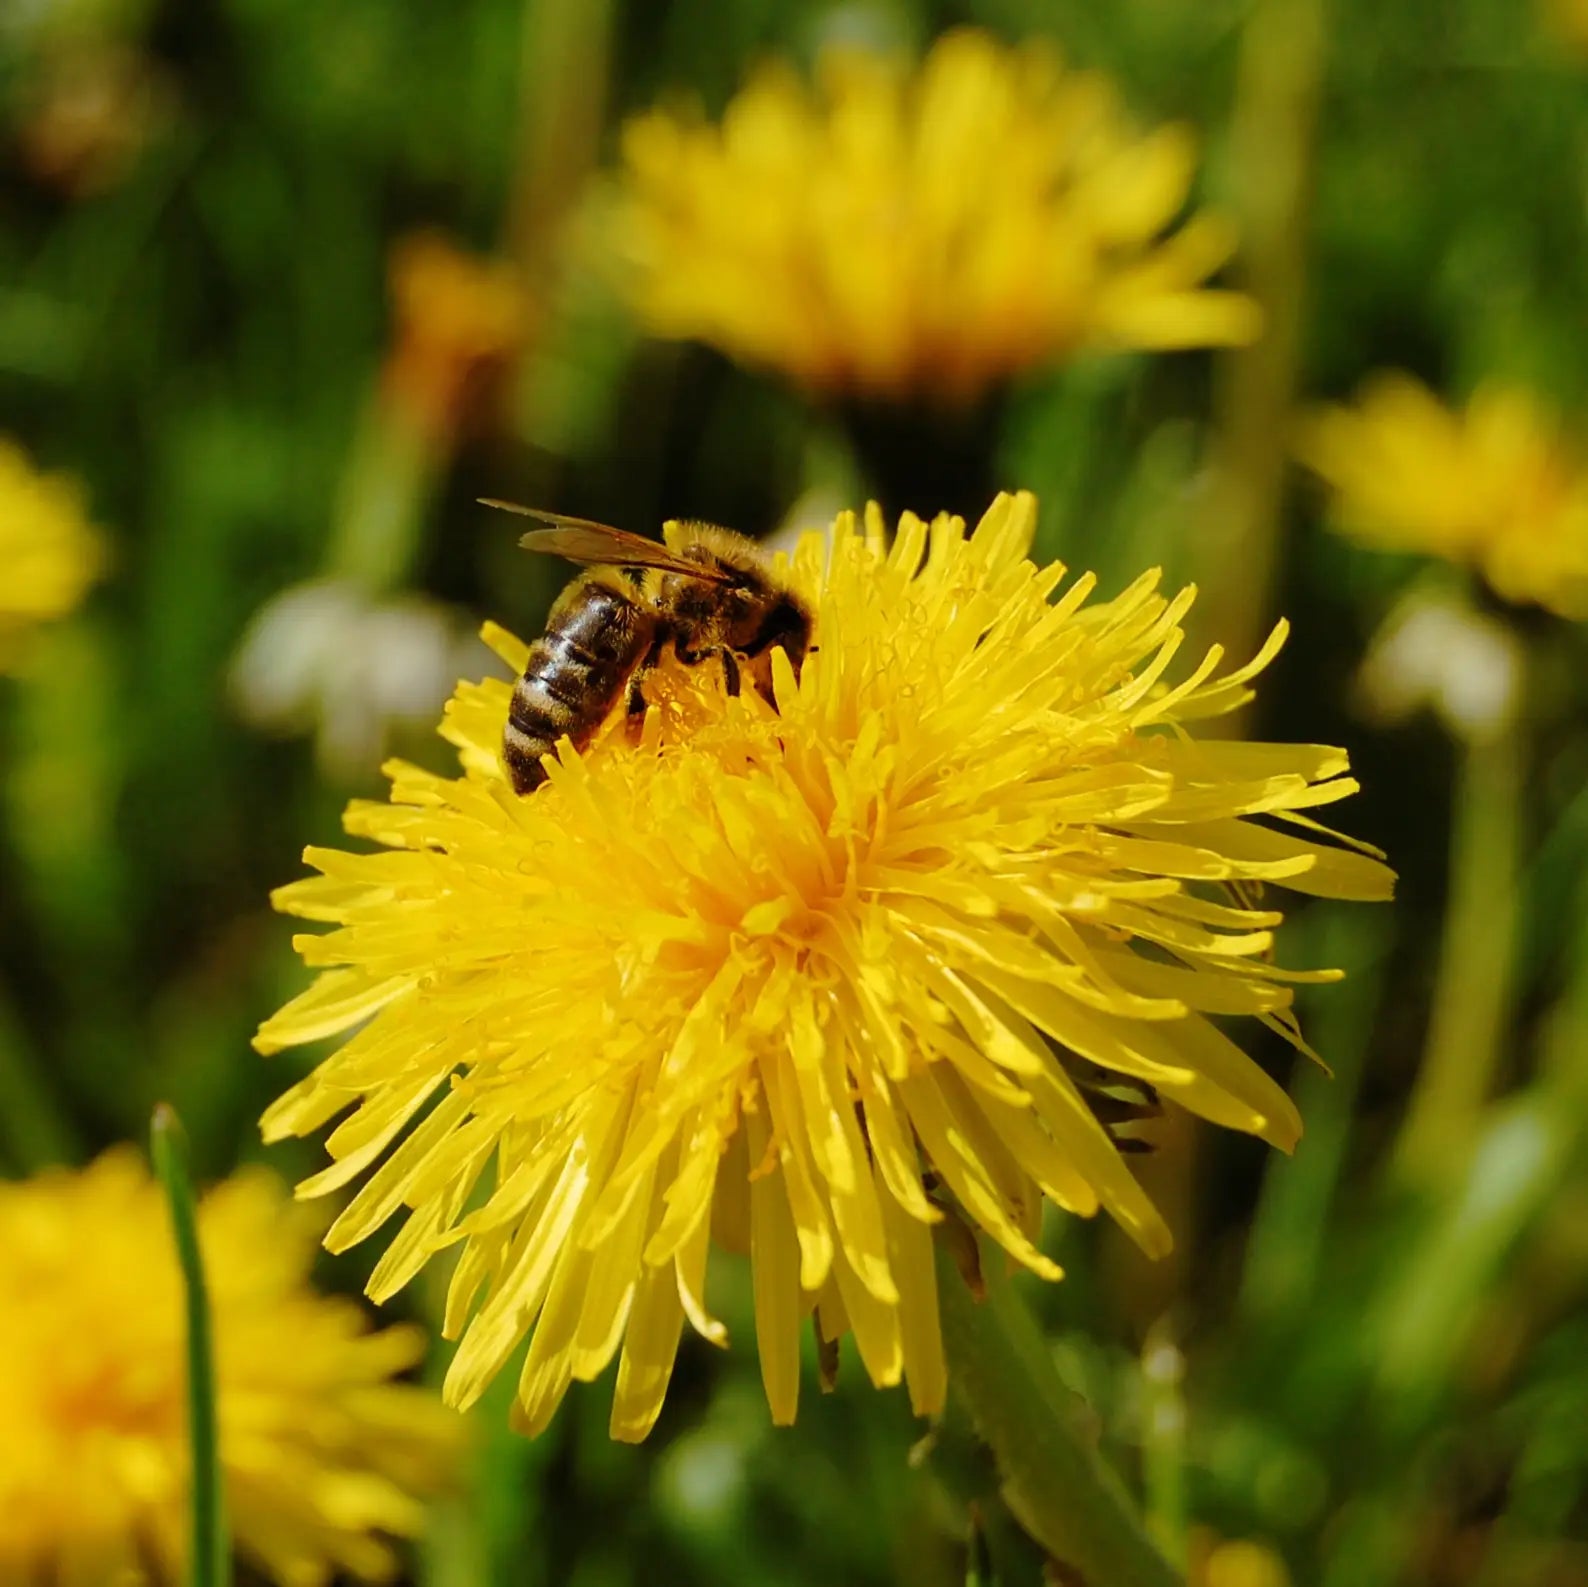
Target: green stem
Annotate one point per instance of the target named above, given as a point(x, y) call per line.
point(1163, 1452)
point(1472, 996)
point(1054, 1479)
point(391, 474)
point(563, 86)
point(211, 1555)
point(1283, 56)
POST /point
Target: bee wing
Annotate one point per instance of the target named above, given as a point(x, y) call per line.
point(580, 540)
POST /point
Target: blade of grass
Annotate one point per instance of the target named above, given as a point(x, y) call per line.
point(210, 1561)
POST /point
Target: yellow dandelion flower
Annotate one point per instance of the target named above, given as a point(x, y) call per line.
point(48, 553)
point(890, 234)
point(321, 1450)
point(1494, 486)
point(789, 982)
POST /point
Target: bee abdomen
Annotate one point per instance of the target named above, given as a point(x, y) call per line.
point(529, 734)
point(575, 674)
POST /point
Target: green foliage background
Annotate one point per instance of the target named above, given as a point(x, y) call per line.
point(1385, 1386)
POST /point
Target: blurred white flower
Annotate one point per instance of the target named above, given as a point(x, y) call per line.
point(329, 657)
point(1435, 651)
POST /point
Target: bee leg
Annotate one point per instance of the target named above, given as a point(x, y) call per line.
point(730, 662)
point(634, 718)
point(636, 702)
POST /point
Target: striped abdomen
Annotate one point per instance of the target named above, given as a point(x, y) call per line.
point(577, 671)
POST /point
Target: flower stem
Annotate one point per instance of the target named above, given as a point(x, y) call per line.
point(1054, 1480)
point(1472, 995)
point(210, 1564)
point(1163, 1454)
point(391, 473)
point(563, 78)
point(1283, 55)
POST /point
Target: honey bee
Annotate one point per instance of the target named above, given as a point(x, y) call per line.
point(709, 594)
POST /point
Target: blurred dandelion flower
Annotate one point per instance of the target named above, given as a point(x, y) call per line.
point(1240, 1562)
point(893, 235)
point(1494, 487)
point(90, 111)
point(1564, 24)
point(786, 981)
point(49, 554)
point(321, 1449)
point(457, 321)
